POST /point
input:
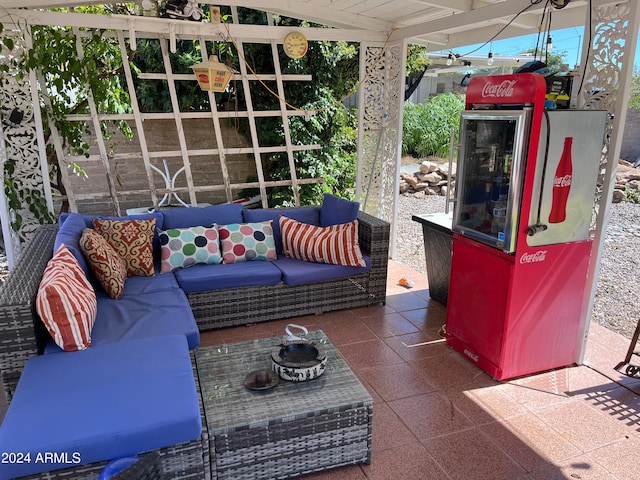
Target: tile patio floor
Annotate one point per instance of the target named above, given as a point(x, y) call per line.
point(437, 416)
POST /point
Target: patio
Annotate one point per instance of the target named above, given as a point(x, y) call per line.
point(438, 416)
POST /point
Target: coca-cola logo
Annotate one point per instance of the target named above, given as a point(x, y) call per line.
point(504, 89)
point(538, 256)
point(562, 181)
point(471, 355)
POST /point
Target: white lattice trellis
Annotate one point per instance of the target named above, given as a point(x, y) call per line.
point(20, 153)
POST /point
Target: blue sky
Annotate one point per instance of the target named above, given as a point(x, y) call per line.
point(568, 40)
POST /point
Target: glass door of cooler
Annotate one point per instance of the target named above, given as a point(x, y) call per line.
point(489, 177)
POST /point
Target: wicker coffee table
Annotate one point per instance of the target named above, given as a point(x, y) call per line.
point(289, 430)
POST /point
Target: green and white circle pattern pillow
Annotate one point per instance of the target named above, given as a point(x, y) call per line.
point(184, 247)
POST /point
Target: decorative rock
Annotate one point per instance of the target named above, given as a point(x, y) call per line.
point(443, 169)
point(410, 179)
point(618, 196)
point(433, 178)
point(420, 194)
point(428, 167)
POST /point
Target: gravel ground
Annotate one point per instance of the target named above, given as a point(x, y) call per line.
point(616, 304)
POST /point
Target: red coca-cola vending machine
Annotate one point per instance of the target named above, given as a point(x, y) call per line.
point(525, 188)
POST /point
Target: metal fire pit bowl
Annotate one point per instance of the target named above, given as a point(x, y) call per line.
point(297, 359)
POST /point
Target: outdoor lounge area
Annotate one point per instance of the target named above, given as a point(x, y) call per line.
point(437, 416)
point(185, 182)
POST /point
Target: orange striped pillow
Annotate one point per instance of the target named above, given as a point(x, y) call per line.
point(66, 302)
point(336, 244)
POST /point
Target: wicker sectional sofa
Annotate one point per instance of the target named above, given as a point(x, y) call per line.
point(228, 303)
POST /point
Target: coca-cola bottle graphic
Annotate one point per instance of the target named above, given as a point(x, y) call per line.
point(562, 184)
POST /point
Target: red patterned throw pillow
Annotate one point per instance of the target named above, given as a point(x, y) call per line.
point(133, 240)
point(66, 302)
point(104, 261)
point(336, 244)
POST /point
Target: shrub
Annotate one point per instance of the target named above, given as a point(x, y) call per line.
point(427, 126)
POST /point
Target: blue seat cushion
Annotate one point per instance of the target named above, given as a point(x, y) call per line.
point(300, 272)
point(101, 403)
point(309, 215)
point(202, 216)
point(152, 314)
point(139, 316)
point(202, 278)
point(137, 285)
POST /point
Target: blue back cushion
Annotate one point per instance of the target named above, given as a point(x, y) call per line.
point(76, 226)
point(302, 214)
point(69, 234)
point(336, 210)
point(101, 403)
point(202, 216)
point(89, 218)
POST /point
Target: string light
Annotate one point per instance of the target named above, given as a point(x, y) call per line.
point(549, 42)
point(490, 58)
point(450, 59)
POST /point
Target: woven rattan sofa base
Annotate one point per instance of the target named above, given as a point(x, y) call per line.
point(18, 318)
point(239, 306)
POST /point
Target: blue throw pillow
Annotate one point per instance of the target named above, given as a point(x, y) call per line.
point(336, 210)
point(202, 216)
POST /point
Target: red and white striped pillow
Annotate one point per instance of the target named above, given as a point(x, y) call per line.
point(66, 302)
point(336, 244)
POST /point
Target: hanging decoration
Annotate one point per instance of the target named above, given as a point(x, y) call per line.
point(212, 75)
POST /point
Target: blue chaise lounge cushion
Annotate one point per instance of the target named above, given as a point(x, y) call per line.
point(101, 403)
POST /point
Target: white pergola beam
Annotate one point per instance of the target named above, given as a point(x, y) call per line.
point(47, 4)
point(182, 29)
point(484, 14)
point(326, 15)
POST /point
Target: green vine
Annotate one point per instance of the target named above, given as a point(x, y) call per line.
point(17, 199)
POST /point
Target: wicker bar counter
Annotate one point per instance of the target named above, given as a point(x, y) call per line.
point(289, 430)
